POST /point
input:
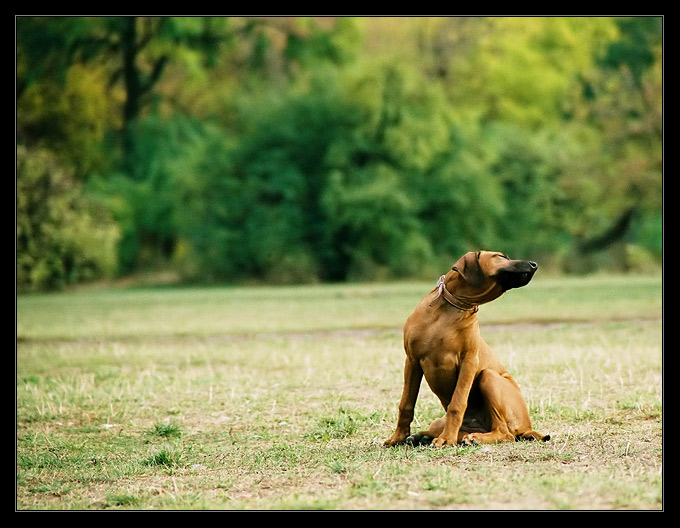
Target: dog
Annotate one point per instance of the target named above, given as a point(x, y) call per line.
point(442, 341)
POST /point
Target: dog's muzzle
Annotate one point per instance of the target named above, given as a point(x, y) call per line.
point(519, 273)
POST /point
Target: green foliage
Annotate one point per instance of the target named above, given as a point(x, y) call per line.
point(315, 44)
point(47, 47)
point(524, 166)
point(294, 149)
point(256, 206)
point(353, 177)
point(143, 200)
point(72, 119)
point(63, 235)
point(640, 37)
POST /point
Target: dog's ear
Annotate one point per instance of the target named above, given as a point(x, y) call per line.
point(468, 267)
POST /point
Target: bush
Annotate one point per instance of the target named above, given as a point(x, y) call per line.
point(353, 176)
point(63, 235)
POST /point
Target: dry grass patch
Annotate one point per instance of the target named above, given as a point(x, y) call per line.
point(181, 416)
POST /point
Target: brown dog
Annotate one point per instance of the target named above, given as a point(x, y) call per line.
point(442, 341)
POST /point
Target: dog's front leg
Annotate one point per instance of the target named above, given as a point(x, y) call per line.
point(458, 404)
point(413, 375)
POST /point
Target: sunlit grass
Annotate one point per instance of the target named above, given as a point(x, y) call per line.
point(198, 312)
point(181, 401)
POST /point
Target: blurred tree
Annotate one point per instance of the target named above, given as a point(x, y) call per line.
point(134, 51)
point(637, 49)
point(618, 187)
point(255, 210)
point(523, 69)
point(143, 201)
point(72, 119)
point(359, 175)
point(61, 102)
point(524, 166)
point(577, 101)
point(446, 44)
point(302, 148)
point(400, 196)
point(62, 237)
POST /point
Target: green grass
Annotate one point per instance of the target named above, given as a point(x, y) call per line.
point(280, 398)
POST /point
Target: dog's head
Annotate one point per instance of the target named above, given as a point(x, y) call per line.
point(486, 275)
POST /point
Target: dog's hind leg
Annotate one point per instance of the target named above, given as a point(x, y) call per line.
point(506, 409)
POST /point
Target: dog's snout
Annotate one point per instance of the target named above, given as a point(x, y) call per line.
point(533, 265)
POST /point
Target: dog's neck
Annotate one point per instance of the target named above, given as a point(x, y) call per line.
point(444, 293)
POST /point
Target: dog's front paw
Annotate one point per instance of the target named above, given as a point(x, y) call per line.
point(442, 441)
point(394, 440)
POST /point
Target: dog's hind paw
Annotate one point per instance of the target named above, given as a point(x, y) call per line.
point(418, 439)
point(533, 435)
point(469, 440)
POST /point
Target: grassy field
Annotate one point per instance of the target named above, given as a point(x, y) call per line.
point(280, 398)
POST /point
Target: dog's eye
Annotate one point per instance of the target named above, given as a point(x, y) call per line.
point(503, 256)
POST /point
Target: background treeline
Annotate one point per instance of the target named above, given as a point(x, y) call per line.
point(299, 149)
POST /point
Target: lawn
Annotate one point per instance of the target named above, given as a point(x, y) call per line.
point(280, 398)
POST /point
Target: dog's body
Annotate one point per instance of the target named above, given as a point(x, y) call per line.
point(442, 342)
